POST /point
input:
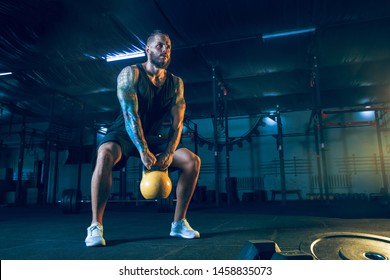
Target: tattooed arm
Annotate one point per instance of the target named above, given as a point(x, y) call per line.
point(177, 115)
point(127, 96)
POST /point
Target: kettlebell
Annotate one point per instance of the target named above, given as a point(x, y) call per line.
point(155, 183)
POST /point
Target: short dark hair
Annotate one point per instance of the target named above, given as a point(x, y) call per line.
point(153, 34)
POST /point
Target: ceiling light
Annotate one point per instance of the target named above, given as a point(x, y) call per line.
point(271, 120)
point(288, 33)
point(367, 114)
point(271, 93)
point(5, 73)
point(102, 130)
point(124, 55)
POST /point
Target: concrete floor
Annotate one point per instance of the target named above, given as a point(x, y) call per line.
point(141, 233)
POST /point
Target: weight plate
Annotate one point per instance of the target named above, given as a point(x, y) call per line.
point(71, 201)
point(75, 201)
point(65, 201)
point(347, 246)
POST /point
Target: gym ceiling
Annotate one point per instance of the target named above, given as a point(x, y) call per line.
point(54, 52)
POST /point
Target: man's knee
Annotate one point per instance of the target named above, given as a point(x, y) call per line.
point(108, 154)
point(186, 161)
point(197, 162)
point(193, 163)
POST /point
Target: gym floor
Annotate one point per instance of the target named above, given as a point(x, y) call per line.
point(141, 233)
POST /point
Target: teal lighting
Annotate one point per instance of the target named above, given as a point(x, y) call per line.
point(288, 33)
point(5, 73)
point(124, 55)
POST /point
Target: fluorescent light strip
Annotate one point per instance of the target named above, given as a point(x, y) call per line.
point(288, 33)
point(5, 73)
point(123, 56)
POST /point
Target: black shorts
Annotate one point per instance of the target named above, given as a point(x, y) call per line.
point(156, 145)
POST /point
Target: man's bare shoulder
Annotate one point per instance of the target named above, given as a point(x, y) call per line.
point(129, 70)
point(179, 90)
point(177, 80)
point(128, 75)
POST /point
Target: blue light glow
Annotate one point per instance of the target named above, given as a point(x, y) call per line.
point(288, 33)
point(367, 115)
point(124, 55)
point(270, 121)
point(5, 73)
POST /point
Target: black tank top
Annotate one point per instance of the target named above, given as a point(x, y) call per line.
point(154, 104)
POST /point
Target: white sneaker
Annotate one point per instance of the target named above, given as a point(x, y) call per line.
point(183, 229)
point(95, 235)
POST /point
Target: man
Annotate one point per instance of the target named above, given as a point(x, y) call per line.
point(147, 93)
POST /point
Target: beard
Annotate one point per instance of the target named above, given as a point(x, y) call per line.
point(159, 61)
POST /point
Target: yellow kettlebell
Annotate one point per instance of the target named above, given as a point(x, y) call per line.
point(155, 183)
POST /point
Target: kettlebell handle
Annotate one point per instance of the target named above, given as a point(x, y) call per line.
point(154, 168)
